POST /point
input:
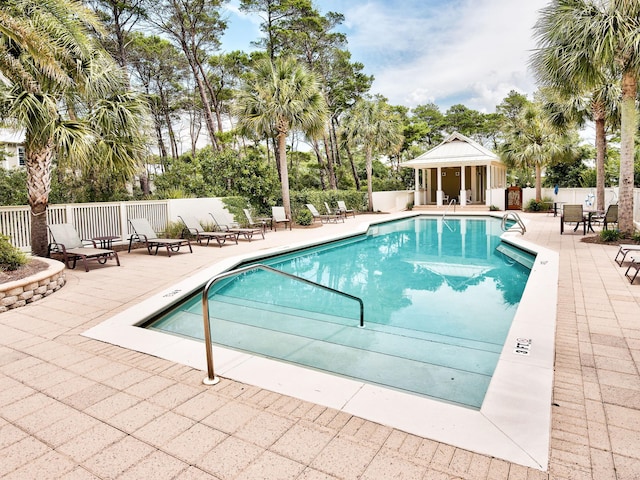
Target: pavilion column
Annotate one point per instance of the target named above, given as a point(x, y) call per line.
point(488, 187)
point(474, 183)
point(425, 196)
point(429, 185)
point(463, 186)
point(416, 191)
point(439, 191)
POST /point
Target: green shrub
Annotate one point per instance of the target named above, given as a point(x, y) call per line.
point(609, 235)
point(174, 230)
point(534, 206)
point(11, 258)
point(493, 208)
point(304, 217)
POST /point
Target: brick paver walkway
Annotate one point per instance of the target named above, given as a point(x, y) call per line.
point(76, 408)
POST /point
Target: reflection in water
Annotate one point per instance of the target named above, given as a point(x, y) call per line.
point(439, 300)
point(416, 273)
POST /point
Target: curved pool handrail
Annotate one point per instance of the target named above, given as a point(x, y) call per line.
point(519, 223)
point(211, 378)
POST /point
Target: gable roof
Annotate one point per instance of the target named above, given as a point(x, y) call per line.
point(455, 150)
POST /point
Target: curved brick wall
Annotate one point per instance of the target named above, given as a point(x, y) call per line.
point(20, 292)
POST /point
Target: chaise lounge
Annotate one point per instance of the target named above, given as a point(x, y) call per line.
point(278, 215)
point(624, 249)
point(66, 241)
point(234, 227)
point(342, 208)
point(323, 218)
point(143, 232)
point(194, 227)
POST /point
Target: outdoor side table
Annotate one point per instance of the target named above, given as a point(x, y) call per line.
point(106, 241)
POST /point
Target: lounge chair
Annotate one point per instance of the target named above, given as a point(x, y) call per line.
point(635, 265)
point(193, 226)
point(66, 241)
point(623, 249)
point(234, 227)
point(278, 215)
point(323, 218)
point(143, 232)
point(342, 208)
point(573, 214)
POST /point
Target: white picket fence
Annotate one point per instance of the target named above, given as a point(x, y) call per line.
point(111, 218)
point(90, 219)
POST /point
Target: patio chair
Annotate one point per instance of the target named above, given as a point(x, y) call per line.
point(194, 227)
point(342, 207)
point(234, 227)
point(573, 214)
point(66, 241)
point(143, 232)
point(609, 217)
point(323, 218)
point(278, 215)
point(624, 249)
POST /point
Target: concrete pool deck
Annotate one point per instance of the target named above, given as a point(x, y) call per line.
point(73, 407)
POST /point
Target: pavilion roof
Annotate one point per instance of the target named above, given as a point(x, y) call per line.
point(454, 151)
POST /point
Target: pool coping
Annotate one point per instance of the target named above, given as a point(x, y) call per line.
point(513, 424)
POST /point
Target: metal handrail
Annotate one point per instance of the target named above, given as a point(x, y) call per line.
point(211, 378)
point(521, 228)
point(453, 201)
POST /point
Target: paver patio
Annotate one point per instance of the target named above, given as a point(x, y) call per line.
point(72, 407)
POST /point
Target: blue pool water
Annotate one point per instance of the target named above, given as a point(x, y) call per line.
point(439, 298)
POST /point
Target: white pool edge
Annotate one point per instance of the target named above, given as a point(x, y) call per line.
point(513, 424)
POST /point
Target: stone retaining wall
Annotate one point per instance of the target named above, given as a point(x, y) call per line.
point(27, 290)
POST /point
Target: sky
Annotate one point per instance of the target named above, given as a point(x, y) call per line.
point(472, 52)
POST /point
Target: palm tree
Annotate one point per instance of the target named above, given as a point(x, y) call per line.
point(277, 97)
point(67, 95)
point(572, 106)
point(591, 36)
point(373, 125)
point(531, 141)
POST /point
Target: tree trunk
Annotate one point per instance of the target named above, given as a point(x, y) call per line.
point(167, 119)
point(202, 91)
point(214, 99)
point(627, 136)
point(538, 182)
point(330, 170)
point(601, 151)
point(321, 169)
point(38, 163)
point(354, 172)
point(284, 173)
point(369, 179)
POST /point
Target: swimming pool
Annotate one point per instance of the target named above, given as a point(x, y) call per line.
point(439, 299)
point(514, 421)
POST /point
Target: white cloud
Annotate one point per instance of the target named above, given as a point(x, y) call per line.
point(472, 51)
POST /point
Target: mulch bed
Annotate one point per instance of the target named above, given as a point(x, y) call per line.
point(34, 266)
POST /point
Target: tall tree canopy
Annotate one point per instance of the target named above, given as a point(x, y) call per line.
point(67, 94)
point(373, 126)
point(276, 98)
point(581, 39)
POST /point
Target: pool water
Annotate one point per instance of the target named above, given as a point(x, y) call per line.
point(439, 297)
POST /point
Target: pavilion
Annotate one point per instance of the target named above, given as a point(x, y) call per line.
point(458, 169)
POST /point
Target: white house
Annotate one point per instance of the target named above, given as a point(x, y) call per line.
point(12, 147)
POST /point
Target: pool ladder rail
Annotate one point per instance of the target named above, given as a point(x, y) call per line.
point(519, 227)
point(211, 378)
